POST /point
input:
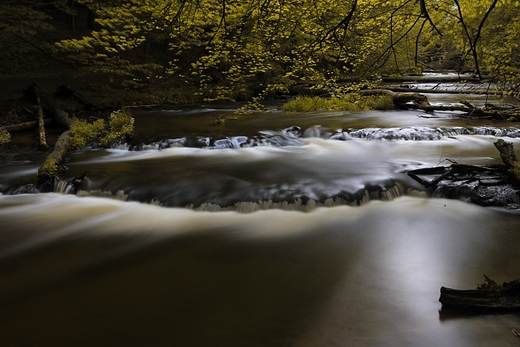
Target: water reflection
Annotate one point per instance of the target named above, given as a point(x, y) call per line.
point(125, 273)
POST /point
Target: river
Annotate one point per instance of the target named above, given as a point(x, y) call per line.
point(272, 229)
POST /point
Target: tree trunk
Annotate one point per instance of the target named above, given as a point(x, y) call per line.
point(507, 153)
point(41, 126)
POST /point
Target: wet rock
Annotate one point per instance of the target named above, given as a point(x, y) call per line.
point(293, 130)
point(25, 189)
point(483, 186)
point(499, 195)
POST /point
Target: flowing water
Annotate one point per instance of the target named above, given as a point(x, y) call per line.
point(272, 229)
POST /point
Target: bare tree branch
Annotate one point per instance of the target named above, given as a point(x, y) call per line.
point(344, 22)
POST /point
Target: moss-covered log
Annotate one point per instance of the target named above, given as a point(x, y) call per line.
point(63, 118)
point(47, 172)
point(414, 100)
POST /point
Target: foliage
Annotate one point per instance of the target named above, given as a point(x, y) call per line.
point(345, 102)
point(83, 132)
point(26, 33)
point(12, 117)
point(235, 50)
point(5, 137)
point(120, 127)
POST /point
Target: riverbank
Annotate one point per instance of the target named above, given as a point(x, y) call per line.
point(86, 97)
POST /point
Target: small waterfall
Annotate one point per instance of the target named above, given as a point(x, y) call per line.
point(498, 132)
point(363, 197)
point(118, 195)
point(292, 136)
point(63, 187)
point(408, 134)
point(308, 205)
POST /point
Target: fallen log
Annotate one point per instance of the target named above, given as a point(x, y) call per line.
point(412, 99)
point(418, 101)
point(406, 89)
point(47, 172)
point(63, 118)
point(512, 114)
point(401, 101)
point(24, 126)
point(487, 298)
point(378, 91)
point(433, 78)
point(41, 126)
point(34, 94)
point(415, 100)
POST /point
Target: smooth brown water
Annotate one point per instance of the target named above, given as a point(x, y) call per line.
point(91, 271)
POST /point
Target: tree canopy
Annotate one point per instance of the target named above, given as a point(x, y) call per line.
point(231, 49)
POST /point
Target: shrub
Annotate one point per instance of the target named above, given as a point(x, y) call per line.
point(121, 125)
point(344, 102)
point(4, 136)
point(82, 132)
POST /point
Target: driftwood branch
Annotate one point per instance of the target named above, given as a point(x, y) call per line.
point(489, 297)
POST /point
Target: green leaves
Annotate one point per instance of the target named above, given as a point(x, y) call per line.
point(236, 49)
point(120, 126)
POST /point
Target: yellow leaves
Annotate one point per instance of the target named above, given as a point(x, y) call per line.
point(223, 45)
